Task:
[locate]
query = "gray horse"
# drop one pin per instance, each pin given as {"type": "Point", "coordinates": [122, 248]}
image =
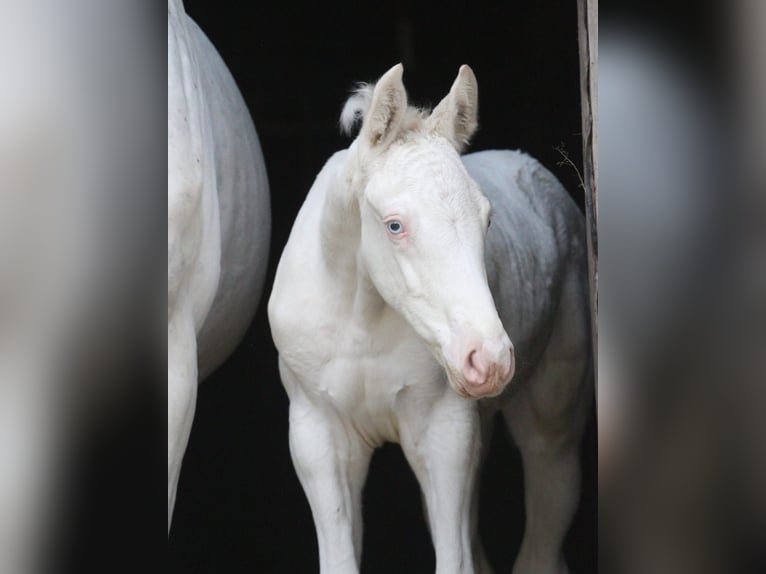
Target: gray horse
{"type": "Point", "coordinates": [219, 222]}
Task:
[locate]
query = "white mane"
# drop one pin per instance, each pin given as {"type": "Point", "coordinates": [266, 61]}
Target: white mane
{"type": "Point", "coordinates": [356, 106]}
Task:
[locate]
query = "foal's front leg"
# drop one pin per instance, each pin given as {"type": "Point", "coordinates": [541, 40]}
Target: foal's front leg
{"type": "Point", "coordinates": [331, 461]}
{"type": "Point", "coordinates": [443, 448]}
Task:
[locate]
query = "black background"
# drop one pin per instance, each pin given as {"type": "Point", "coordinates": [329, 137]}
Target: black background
{"type": "Point", "coordinates": [240, 507]}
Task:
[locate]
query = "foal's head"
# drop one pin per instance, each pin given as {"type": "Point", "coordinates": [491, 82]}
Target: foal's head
{"type": "Point", "coordinates": [424, 223]}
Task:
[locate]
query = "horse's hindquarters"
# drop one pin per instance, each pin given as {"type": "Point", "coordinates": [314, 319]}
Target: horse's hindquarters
{"type": "Point", "coordinates": [243, 197]}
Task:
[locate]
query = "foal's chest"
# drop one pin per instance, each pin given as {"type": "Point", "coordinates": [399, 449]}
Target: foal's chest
{"type": "Point", "coordinates": [366, 373]}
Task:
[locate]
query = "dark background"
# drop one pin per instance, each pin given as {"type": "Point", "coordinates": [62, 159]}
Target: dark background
{"type": "Point", "coordinates": [240, 507]}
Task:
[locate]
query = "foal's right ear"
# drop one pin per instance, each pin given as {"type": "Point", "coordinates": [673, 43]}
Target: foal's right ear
{"type": "Point", "coordinates": [386, 112]}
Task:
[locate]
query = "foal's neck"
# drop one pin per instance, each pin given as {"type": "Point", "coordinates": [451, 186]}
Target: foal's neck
{"type": "Point", "coordinates": [340, 239]}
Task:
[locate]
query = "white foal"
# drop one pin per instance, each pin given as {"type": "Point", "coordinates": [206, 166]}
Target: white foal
{"type": "Point", "coordinates": [387, 329]}
{"type": "Point", "coordinates": [218, 222]}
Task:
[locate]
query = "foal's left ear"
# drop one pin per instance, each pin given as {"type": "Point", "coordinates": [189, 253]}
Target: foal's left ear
{"type": "Point", "coordinates": [456, 116]}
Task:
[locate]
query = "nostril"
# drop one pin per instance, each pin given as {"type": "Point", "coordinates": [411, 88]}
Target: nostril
{"type": "Point", "coordinates": [471, 359]}
{"type": "Point", "coordinates": [473, 370]}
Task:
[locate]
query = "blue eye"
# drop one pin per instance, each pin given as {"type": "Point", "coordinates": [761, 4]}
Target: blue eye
{"type": "Point", "coordinates": [395, 227]}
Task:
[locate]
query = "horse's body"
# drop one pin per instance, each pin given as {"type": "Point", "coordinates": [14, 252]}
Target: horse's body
{"type": "Point", "coordinates": [359, 370]}
{"type": "Point", "coordinates": [218, 222]}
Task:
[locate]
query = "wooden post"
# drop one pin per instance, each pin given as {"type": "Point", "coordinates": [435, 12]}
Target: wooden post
{"type": "Point", "coordinates": [587, 12]}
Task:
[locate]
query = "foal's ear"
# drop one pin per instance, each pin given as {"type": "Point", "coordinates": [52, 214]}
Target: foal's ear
{"type": "Point", "coordinates": [456, 116]}
{"type": "Point", "coordinates": [386, 112]}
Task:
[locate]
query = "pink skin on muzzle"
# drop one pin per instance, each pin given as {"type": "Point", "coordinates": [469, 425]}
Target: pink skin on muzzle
{"type": "Point", "coordinates": [486, 366]}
